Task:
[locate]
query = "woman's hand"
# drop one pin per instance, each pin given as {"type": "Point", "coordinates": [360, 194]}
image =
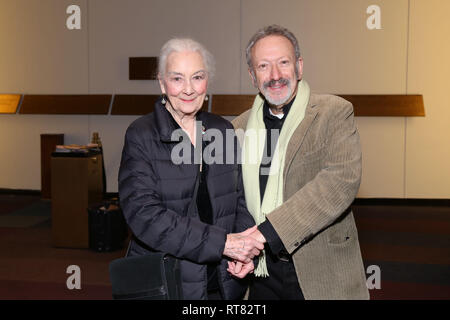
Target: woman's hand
{"type": "Point", "coordinates": [242, 246]}
{"type": "Point", "coordinates": [240, 270]}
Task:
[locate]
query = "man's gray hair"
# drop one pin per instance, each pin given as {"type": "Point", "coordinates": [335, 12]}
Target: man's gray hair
{"type": "Point", "coordinates": [185, 44]}
{"type": "Point", "coordinates": [272, 30]}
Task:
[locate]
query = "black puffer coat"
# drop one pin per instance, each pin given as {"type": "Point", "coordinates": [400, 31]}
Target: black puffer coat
{"type": "Point", "coordinates": [155, 195]}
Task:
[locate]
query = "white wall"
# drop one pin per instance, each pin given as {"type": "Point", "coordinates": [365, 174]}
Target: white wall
{"type": "Point", "coordinates": [38, 55]}
{"type": "Point", "coordinates": [120, 29]}
{"type": "Point", "coordinates": [428, 139]}
{"type": "Point", "coordinates": [342, 56]}
{"type": "Point", "coordinates": [402, 157]}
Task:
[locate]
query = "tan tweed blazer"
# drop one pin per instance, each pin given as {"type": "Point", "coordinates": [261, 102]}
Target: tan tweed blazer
{"type": "Point", "coordinates": [322, 175]}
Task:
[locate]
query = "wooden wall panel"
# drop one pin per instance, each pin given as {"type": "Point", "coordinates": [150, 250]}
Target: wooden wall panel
{"type": "Point", "coordinates": [66, 104]}
{"type": "Point", "coordinates": [133, 104]}
{"type": "Point", "coordinates": [387, 105]}
{"type": "Point", "coordinates": [137, 104]}
{"type": "Point", "coordinates": [222, 104]}
{"type": "Point", "coordinates": [142, 68]}
{"type": "Point", "coordinates": [231, 104]}
{"type": "Point", "coordinates": [364, 105]}
{"type": "Point", "coordinates": [9, 103]}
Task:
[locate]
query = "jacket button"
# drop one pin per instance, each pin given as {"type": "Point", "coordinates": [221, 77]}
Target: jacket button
{"type": "Point", "coordinates": [296, 244]}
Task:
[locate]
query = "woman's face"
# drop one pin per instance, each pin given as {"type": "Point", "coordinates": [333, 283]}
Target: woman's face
{"type": "Point", "coordinates": [185, 82]}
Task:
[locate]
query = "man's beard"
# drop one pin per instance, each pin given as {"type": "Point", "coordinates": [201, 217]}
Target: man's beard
{"type": "Point", "coordinates": [281, 100]}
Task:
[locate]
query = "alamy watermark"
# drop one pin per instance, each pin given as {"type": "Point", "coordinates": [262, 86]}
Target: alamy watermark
{"type": "Point", "coordinates": [225, 148]}
{"type": "Point", "coordinates": [74, 280]}
{"type": "Point", "coordinates": [374, 280]}
{"type": "Point", "coordinates": [73, 21]}
{"type": "Point", "coordinates": [373, 22]}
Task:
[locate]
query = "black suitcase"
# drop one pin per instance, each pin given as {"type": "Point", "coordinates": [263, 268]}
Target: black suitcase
{"type": "Point", "coordinates": [107, 227]}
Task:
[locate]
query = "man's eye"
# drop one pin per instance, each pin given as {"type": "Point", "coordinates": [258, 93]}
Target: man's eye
{"type": "Point", "coordinates": [176, 79]}
{"type": "Point", "coordinates": [201, 77]}
{"type": "Point", "coordinates": [285, 62]}
{"type": "Point", "coordinates": [262, 66]}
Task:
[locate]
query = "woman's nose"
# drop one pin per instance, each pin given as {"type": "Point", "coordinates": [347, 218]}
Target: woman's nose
{"type": "Point", "coordinates": [188, 88]}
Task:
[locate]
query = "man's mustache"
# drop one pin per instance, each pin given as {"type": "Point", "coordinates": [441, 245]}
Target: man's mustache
{"type": "Point", "coordinates": [271, 83]}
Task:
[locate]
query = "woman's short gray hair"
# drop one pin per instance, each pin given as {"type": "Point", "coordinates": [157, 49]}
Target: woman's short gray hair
{"type": "Point", "coordinates": [185, 44]}
{"type": "Point", "coordinates": [270, 31]}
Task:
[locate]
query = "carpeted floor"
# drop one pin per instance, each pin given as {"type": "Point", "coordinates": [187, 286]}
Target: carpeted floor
{"type": "Point", "coordinates": [31, 268]}
{"type": "Point", "coordinates": [23, 211]}
{"type": "Point", "coordinates": [409, 244]}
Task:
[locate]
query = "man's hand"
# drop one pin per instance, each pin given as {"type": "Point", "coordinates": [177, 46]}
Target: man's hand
{"type": "Point", "coordinates": [240, 270]}
{"type": "Point", "coordinates": [242, 246]}
{"type": "Point", "coordinates": [258, 236]}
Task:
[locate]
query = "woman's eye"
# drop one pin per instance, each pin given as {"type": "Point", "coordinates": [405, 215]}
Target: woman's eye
{"type": "Point", "coordinates": [200, 77]}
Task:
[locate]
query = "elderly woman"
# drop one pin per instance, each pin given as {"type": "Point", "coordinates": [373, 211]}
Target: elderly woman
{"type": "Point", "coordinates": [192, 210]}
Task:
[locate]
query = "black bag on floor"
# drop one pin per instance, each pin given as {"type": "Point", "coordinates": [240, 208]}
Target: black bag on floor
{"type": "Point", "coordinates": [154, 276]}
{"type": "Point", "coordinates": [107, 227]}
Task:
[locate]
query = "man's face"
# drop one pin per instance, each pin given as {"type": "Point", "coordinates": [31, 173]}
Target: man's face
{"type": "Point", "coordinates": [274, 66]}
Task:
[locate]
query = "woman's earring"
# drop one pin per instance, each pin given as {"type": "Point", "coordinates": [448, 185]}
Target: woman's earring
{"type": "Point", "coordinates": [163, 101]}
{"type": "Point", "coordinates": [206, 98]}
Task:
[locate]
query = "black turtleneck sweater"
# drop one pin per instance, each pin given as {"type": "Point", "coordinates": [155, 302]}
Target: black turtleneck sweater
{"type": "Point", "coordinates": [205, 212]}
{"type": "Point", "coordinates": [272, 123]}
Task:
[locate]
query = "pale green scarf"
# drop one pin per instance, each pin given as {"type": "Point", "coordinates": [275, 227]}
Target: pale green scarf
{"type": "Point", "coordinates": [252, 152]}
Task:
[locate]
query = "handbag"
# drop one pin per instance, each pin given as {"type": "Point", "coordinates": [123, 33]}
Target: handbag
{"type": "Point", "coordinates": [153, 276]}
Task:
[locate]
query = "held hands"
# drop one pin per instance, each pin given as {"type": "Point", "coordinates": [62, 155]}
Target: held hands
{"type": "Point", "coordinates": [239, 269]}
{"type": "Point", "coordinates": [242, 246]}
{"type": "Point", "coordinates": [252, 242]}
